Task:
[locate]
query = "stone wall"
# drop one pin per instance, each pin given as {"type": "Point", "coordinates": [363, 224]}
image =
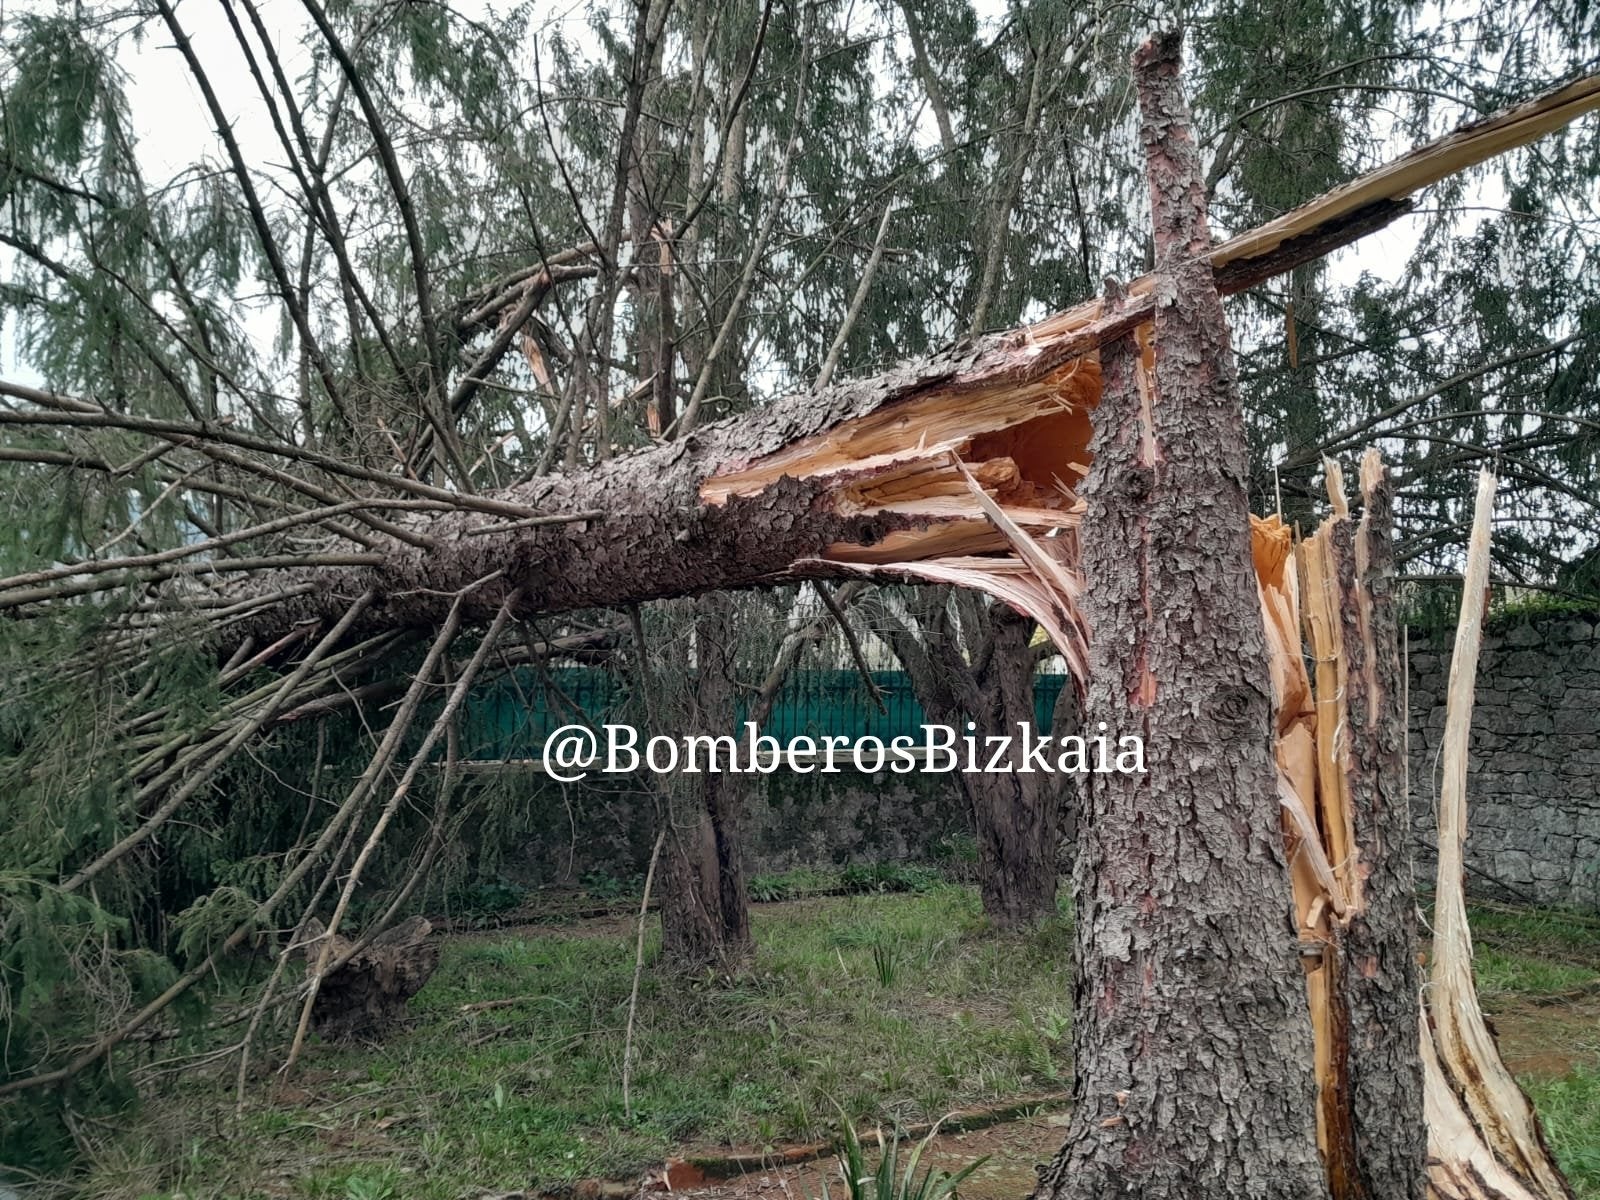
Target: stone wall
{"type": "Point", "coordinates": [1533, 790]}
{"type": "Point", "coordinates": [791, 821]}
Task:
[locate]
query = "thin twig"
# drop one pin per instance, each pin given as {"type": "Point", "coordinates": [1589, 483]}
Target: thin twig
{"type": "Point", "coordinates": [638, 970]}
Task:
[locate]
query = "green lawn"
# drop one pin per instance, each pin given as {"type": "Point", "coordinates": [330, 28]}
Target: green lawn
{"type": "Point", "coordinates": [888, 1006]}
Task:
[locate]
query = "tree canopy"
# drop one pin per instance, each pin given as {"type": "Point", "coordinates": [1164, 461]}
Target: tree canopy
{"type": "Point", "coordinates": [274, 281]}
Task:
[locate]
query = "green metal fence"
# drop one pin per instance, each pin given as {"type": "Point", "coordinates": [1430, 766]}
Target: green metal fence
{"type": "Point", "coordinates": [510, 717]}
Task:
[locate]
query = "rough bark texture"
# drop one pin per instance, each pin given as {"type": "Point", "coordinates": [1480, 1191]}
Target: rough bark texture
{"type": "Point", "coordinates": [1194, 1072]}
{"type": "Point", "coordinates": [1016, 817]}
{"type": "Point", "coordinates": [705, 910]}
{"type": "Point", "coordinates": [369, 993]}
{"type": "Point", "coordinates": [657, 536]}
{"type": "Point", "coordinates": [1377, 982]}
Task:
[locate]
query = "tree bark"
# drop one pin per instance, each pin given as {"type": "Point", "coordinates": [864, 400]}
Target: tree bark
{"type": "Point", "coordinates": [365, 996]}
{"type": "Point", "coordinates": [705, 908]}
{"type": "Point", "coordinates": [1377, 985]}
{"type": "Point", "coordinates": [1017, 815]}
{"type": "Point", "coordinates": [1194, 1073]}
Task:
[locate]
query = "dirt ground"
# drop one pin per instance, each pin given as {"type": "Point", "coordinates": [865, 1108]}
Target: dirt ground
{"type": "Point", "coordinates": [1550, 1036]}
{"type": "Point", "coordinates": [1013, 1149]}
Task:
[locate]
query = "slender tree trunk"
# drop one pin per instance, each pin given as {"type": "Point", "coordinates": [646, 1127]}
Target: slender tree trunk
{"type": "Point", "coordinates": [705, 910]}
{"type": "Point", "coordinates": [1194, 1070]}
{"type": "Point", "coordinates": [1016, 815]}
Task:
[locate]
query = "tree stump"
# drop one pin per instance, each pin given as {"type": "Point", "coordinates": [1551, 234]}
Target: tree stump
{"type": "Point", "coordinates": [367, 994]}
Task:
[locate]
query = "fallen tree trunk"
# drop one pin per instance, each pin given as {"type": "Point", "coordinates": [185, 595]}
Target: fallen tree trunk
{"type": "Point", "coordinates": [860, 474]}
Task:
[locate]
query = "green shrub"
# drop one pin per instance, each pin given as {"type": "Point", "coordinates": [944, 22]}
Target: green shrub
{"type": "Point", "coordinates": [888, 877]}
{"type": "Point", "coordinates": [889, 1182]}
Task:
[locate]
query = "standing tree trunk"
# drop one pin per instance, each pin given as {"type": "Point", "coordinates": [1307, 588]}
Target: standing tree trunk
{"type": "Point", "coordinates": [985, 674]}
{"type": "Point", "coordinates": [1017, 815]}
{"type": "Point", "coordinates": [705, 912]}
{"type": "Point", "coordinates": [1194, 1070]}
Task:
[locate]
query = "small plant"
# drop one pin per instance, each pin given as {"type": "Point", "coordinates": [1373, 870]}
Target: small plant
{"type": "Point", "coordinates": [370, 1187]}
{"type": "Point", "coordinates": [889, 1182]}
{"type": "Point", "coordinates": [764, 889]}
{"type": "Point", "coordinates": [792, 884]}
{"type": "Point", "coordinates": [888, 877]}
{"type": "Point", "coordinates": [957, 855]}
{"type": "Point", "coordinates": [766, 1132]}
{"type": "Point", "coordinates": [885, 963]}
{"type": "Point", "coordinates": [1055, 1024]}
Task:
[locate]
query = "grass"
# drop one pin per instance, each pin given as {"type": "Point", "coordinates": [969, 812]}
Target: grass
{"type": "Point", "coordinates": [879, 1006]}
{"type": "Point", "coordinates": [1526, 961]}
{"type": "Point", "coordinates": [1532, 952]}
{"type": "Point", "coordinates": [1570, 1110]}
{"type": "Point", "coordinates": [882, 1006]}
{"type": "Point", "coordinates": [1559, 934]}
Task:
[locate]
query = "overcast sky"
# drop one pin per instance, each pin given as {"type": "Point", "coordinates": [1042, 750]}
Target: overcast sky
{"type": "Point", "coordinates": [174, 129]}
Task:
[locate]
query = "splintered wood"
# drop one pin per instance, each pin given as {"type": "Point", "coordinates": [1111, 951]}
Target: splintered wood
{"type": "Point", "coordinates": [989, 474]}
{"type": "Point", "coordinates": [1483, 1137]}
{"type": "Point", "coordinates": [993, 471]}
{"type": "Point", "coordinates": [1479, 1120]}
{"type": "Point", "coordinates": [1010, 432]}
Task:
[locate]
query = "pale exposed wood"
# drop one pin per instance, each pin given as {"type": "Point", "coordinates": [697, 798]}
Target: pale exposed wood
{"type": "Point", "coordinates": [1461, 1166]}
{"type": "Point", "coordinates": [1492, 1106]}
{"type": "Point", "coordinates": [1334, 478]}
{"type": "Point", "coordinates": [1428, 164]}
{"type": "Point", "coordinates": [1483, 1138]}
{"type": "Point", "coordinates": [1320, 605]}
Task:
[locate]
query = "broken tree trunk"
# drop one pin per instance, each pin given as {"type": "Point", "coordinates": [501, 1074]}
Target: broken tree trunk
{"type": "Point", "coordinates": [858, 475]}
{"type": "Point", "coordinates": [368, 992]}
{"type": "Point", "coordinates": [1342, 781]}
{"type": "Point", "coordinates": [1185, 1088]}
{"type": "Point", "coordinates": [960, 468]}
{"type": "Point", "coordinates": [1346, 823]}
